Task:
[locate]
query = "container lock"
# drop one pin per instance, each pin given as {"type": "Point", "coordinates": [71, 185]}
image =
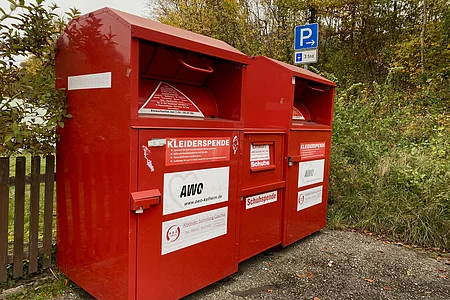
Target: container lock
{"type": "Point", "coordinates": [144, 199]}
{"type": "Point", "coordinates": [293, 159]}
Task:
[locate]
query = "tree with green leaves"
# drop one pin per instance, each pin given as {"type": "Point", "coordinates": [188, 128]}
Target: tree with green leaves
{"type": "Point", "coordinates": [360, 40]}
{"type": "Point", "coordinates": [30, 107]}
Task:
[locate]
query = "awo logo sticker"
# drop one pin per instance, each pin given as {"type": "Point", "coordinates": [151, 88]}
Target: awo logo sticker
{"type": "Point", "coordinates": [191, 189]}
{"type": "Point", "coordinates": [196, 188]}
{"type": "Point", "coordinates": [310, 172]}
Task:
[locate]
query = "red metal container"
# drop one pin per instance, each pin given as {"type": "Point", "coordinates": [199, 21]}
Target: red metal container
{"type": "Point", "coordinates": [262, 191]}
{"type": "Point", "coordinates": [298, 104]}
{"type": "Point", "coordinates": [148, 167]}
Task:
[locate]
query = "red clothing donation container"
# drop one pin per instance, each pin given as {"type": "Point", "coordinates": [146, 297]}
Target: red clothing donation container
{"type": "Point", "coordinates": [147, 185]}
{"type": "Point", "coordinates": [298, 103]}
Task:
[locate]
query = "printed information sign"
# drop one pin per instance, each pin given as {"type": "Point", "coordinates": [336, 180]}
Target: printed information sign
{"type": "Point", "coordinates": [184, 232]}
{"type": "Point", "coordinates": [261, 199]}
{"type": "Point", "coordinates": [310, 172]}
{"type": "Point", "coordinates": [312, 150]}
{"type": "Point", "coordinates": [168, 100]}
{"type": "Point", "coordinates": [259, 155]}
{"type": "Point", "coordinates": [183, 151]}
{"type": "Point", "coordinates": [195, 188]}
{"type": "Point", "coordinates": [310, 197]}
{"type": "Point", "coordinates": [297, 115]}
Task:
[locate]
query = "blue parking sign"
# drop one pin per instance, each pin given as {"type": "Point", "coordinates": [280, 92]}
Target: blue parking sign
{"type": "Point", "coordinates": [306, 36]}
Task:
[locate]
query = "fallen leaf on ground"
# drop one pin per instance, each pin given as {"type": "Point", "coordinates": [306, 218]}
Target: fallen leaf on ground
{"type": "Point", "coordinates": [316, 298]}
{"type": "Point", "coordinates": [299, 275]}
{"type": "Point", "coordinates": [441, 271]}
{"type": "Point", "coordinates": [386, 288]}
{"type": "Point", "coordinates": [269, 264]}
{"type": "Point", "coordinates": [369, 280]}
{"type": "Point", "coordinates": [443, 276]}
{"type": "Point", "coordinates": [309, 275]}
{"type": "Point", "coordinates": [438, 258]}
{"type": "Point", "coordinates": [269, 291]}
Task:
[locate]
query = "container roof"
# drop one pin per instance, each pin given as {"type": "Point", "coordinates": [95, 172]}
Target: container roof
{"type": "Point", "coordinates": [157, 32]}
{"type": "Point", "coordinates": [299, 72]}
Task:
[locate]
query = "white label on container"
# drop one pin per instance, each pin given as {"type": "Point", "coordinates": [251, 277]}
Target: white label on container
{"type": "Point", "coordinates": [184, 232]}
{"type": "Point", "coordinates": [89, 81]}
{"type": "Point", "coordinates": [310, 172]}
{"type": "Point", "coordinates": [196, 188]}
{"type": "Point", "coordinates": [261, 199]}
{"type": "Point", "coordinates": [168, 100]}
{"type": "Point", "coordinates": [310, 197]}
{"type": "Point", "coordinates": [297, 115]}
{"type": "Point", "coordinates": [259, 155]}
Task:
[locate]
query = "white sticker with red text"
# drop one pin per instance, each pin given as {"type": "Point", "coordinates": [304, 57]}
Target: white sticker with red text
{"type": "Point", "coordinates": [168, 100]}
{"type": "Point", "coordinates": [187, 231]}
{"type": "Point", "coordinates": [310, 172]}
{"type": "Point", "coordinates": [312, 150]}
{"type": "Point", "coordinates": [310, 197]}
{"type": "Point", "coordinates": [261, 199]}
{"type": "Point", "coordinates": [182, 151]}
{"type": "Point", "coordinates": [259, 155]}
{"type": "Point", "coordinates": [195, 188]}
{"type": "Point", "coordinates": [297, 115]}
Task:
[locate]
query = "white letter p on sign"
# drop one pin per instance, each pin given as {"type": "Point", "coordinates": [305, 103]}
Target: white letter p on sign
{"type": "Point", "coordinates": [305, 33]}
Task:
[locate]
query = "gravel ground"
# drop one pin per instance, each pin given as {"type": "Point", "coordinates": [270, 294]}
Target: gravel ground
{"type": "Point", "coordinates": [332, 265]}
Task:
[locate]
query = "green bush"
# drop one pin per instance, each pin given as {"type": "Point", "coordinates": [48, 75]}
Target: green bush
{"type": "Point", "coordinates": [390, 169]}
{"type": "Point", "coordinates": [30, 107]}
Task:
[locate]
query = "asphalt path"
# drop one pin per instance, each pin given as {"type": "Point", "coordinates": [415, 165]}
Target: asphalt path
{"type": "Point", "coordinates": [338, 265]}
{"type": "Point", "coordinates": [332, 265]}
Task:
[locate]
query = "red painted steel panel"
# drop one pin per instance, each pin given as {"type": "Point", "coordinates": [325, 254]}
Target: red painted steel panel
{"type": "Point", "coordinates": [261, 208]}
{"type": "Point", "coordinates": [299, 222]}
{"type": "Point", "coordinates": [150, 30]}
{"type": "Point", "coordinates": [93, 159]}
{"type": "Point", "coordinates": [102, 245]}
{"type": "Point", "coordinates": [298, 72]}
{"type": "Point", "coordinates": [273, 88]}
{"type": "Point", "coordinates": [180, 272]}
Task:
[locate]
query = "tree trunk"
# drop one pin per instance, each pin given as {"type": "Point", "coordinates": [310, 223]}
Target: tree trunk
{"type": "Point", "coordinates": [422, 36]}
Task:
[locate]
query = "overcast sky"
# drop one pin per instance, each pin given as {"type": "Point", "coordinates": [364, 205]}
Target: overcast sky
{"type": "Point", "coordinates": [136, 7]}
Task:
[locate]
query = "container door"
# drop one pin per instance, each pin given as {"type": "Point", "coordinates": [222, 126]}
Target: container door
{"type": "Point", "coordinates": [186, 239]}
{"type": "Point", "coordinates": [262, 193]}
{"type": "Point", "coordinates": [306, 184]}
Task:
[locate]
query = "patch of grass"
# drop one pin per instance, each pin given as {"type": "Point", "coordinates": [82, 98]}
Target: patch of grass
{"type": "Point", "coordinates": [390, 166]}
{"type": "Point", "coordinates": [48, 285]}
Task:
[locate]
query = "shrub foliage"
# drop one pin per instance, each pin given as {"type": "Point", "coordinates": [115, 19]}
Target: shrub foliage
{"type": "Point", "coordinates": [390, 155]}
{"type": "Point", "coordinates": [31, 108]}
